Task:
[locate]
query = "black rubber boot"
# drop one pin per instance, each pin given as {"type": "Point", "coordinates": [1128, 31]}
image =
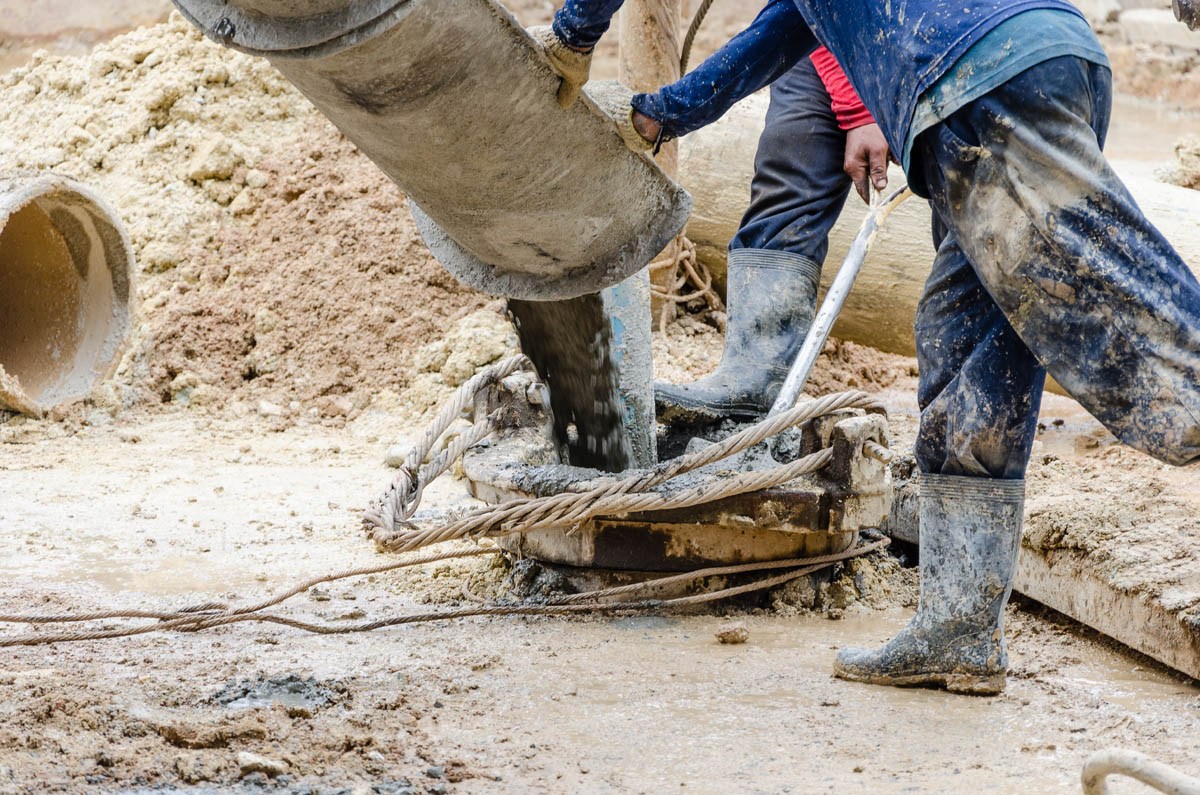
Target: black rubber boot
{"type": "Point", "coordinates": [772, 298]}
{"type": "Point", "coordinates": [970, 537]}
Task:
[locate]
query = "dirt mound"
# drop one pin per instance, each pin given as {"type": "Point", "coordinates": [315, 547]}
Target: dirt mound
{"type": "Point", "coordinates": [874, 582]}
{"type": "Point", "coordinates": [321, 296]}
{"type": "Point", "coordinates": [1187, 152]}
{"type": "Point", "coordinates": [276, 262]}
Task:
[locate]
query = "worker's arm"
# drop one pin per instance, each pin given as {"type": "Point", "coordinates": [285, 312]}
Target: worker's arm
{"type": "Point", "coordinates": [866, 157]}
{"type": "Point", "coordinates": [580, 23]}
{"type": "Point", "coordinates": [848, 109]}
{"type": "Point", "coordinates": [776, 40]}
{"type": "Point", "coordinates": [569, 41]}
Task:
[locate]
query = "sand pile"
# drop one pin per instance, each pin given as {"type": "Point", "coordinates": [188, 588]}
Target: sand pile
{"type": "Point", "coordinates": [165, 125]}
{"type": "Point", "coordinates": [276, 262]}
{"type": "Point", "coordinates": [1187, 152]}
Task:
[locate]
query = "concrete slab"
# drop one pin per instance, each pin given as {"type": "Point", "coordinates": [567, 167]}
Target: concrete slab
{"type": "Point", "coordinates": [1160, 627]}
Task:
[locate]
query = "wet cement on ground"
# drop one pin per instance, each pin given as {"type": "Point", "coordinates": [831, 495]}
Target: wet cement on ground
{"type": "Point", "coordinates": [213, 509]}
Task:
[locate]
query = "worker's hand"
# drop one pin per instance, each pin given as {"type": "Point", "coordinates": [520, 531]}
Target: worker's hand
{"type": "Point", "coordinates": [572, 65]}
{"type": "Point", "coordinates": [866, 160]}
{"type": "Point", "coordinates": [1187, 12]}
{"type": "Point", "coordinates": [615, 100]}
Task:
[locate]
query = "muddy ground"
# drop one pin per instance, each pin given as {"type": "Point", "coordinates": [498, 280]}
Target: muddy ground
{"type": "Point", "coordinates": [247, 431]}
{"type": "Point", "coordinates": [174, 509]}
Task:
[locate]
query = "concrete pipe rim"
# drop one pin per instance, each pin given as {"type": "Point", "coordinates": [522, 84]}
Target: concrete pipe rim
{"type": "Point", "coordinates": [528, 286]}
{"type": "Point", "coordinates": [67, 267]}
{"type": "Point", "coordinates": [278, 28]}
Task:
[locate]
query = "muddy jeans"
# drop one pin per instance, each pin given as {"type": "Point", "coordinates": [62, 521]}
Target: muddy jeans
{"type": "Point", "coordinates": [799, 186]}
{"type": "Point", "coordinates": [1047, 262]}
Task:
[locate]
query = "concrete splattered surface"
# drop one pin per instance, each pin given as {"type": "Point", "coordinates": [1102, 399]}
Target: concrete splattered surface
{"type": "Point", "coordinates": [225, 509]}
{"type": "Point", "coordinates": [203, 484]}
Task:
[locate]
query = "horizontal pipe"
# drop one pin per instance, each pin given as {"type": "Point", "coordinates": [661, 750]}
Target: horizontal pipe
{"type": "Point", "coordinates": [67, 269]}
{"type": "Point", "coordinates": [717, 163]}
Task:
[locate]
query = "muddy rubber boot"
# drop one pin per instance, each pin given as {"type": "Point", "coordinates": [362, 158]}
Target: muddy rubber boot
{"type": "Point", "coordinates": [772, 298]}
{"type": "Point", "coordinates": [970, 536]}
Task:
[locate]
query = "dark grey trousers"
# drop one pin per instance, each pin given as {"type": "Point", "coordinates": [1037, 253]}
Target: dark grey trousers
{"type": "Point", "coordinates": [799, 187]}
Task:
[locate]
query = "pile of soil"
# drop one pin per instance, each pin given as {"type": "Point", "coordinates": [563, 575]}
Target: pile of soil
{"type": "Point", "coordinates": [276, 262]}
{"type": "Point", "coordinates": [321, 296]}
{"type": "Point", "coordinates": [875, 582]}
{"type": "Point", "coordinates": [1161, 73]}
{"type": "Point", "coordinates": [1187, 152]}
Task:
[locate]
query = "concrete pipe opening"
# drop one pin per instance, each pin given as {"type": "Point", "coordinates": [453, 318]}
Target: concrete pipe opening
{"type": "Point", "coordinates": [66, 273]}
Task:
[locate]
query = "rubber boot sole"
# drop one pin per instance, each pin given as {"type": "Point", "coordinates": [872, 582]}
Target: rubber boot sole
{"type": "Point", "coordinates": [699, 412]}
{"type": "Point", "coordinates": [963, 683]}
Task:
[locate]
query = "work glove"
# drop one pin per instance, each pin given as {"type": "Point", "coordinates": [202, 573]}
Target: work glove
{"type": "Point", "coordinates": [571, 65]}
{"type": "Point", "coordinates": [616, 101]}
{"type": "Point", "coordinates": [1187, 12]}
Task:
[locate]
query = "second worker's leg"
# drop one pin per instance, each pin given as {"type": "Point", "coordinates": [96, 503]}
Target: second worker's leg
{"type": "Point", "coordinates": [775, 259]}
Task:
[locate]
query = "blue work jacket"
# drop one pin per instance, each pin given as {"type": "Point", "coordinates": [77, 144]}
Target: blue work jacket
{"type": "Point", "coordinates": [892, 51]}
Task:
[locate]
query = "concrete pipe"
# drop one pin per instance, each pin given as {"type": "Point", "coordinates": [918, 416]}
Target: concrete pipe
{"type": "Point", "coordinates": [66, 277]}
{"type": "Point", "coordinates": [717, 162]}
{"type": "Point", "coordinates": [452, 99]}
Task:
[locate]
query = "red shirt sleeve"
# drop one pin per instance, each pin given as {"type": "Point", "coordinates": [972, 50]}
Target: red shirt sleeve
{"type": "Point", "coordinates": [847, 107]}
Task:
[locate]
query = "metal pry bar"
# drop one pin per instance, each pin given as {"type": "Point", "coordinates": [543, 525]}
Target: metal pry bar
{"type": "Point", "coordinates": [835, 300]}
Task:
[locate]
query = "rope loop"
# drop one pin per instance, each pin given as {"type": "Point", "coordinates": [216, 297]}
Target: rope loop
{"type": "Point", "coordinates": [389, 523]}
{"type": "Point", "coordinates": [679, 259]}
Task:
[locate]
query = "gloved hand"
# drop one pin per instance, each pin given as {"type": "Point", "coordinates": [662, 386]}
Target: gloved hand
{"type": "Point", "coordinates": [571, 65]}
{"type": "Point", "coordinates": [1187, 12]}
{"type": "Point", "coordinates": [615, 100]}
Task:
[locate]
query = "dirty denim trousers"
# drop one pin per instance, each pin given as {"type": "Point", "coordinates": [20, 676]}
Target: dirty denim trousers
{"type": "Point", "coordinates": [1047, 262]}
{"type": "Point", "coordinates": [799, 186]}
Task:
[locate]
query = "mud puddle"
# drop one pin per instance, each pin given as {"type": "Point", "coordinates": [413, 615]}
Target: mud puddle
{"type": "Point", "coordinates": [169, 575]}
{"type": "Point", "coordinates": [295, 694]}
{"type": "Point", "coordinates": [656, 707]}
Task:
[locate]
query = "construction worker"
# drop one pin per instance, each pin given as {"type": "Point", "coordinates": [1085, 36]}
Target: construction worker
{"type": "Point", "coordinates": [818, 140]}
{"type": "Point", "coordinates": [998, 111]}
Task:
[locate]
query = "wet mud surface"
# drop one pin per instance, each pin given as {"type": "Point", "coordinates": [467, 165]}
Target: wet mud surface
{"type": "Point", "coordinates": [129, 505]}
{"type": "Point", "coordinates": [207, 509]}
